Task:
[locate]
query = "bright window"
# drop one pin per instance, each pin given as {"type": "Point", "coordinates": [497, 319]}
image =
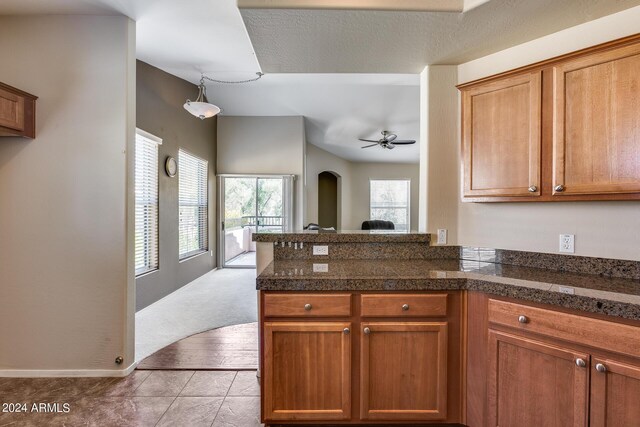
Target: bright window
{"type": "Point", "coordinates": [193, 205]}
{"type": "Point", "coordinates": [389, 200]}
{"type": "Point", "coordinates": [146, 188]}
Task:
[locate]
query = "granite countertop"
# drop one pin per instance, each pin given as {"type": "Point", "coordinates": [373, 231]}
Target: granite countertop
{"type": "Point", "coordinates": [345, 236]}
{"type": "Point", "coordinates": [612, 296]}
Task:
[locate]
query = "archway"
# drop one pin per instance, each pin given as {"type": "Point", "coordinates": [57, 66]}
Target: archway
{"type": "Point", "coordinates": [328, 199]}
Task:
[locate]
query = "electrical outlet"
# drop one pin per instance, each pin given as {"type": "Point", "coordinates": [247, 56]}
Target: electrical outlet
{"type": "Point", "coordinates": [566, 290]}
{"type": "Point", "coordinates": [567, 243]}
{"type": "Point", "coordinates": [442, 236]}
{"type": "Point", "coordinates": [320, 250]}
{"type": "Point", "coordinates": [320, 268]}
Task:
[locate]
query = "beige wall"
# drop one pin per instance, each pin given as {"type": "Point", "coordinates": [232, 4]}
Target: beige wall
{"type": "Point", "coordinates": [160, 98]}
{"type": "Point", "coordinates": [66, 279]}
{"type": "Point", "coordinates": [264, 145]}
{"type": "Point", "coordinates": [355, 185]}
{"type": "Point", "coordinates": [603, 229]}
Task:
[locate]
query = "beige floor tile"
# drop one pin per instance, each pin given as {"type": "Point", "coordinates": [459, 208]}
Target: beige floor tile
{"type": "Point", "coordinates": [239, 412]}
{"type": "Point", "coordinates": [164, 383]}
{"type": "Point", "coordinates": [245, 384]}
{"type": "Point", "coordinates": [209, 383]}
{"type": "Point", "coordinates": [191, 412]}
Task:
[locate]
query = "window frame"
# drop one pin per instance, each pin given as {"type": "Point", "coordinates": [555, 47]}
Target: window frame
{"type": "Point", "coordinates": [202, 233]}
{"type": "Point", "coordinates": [149, 266]}
{"type": "Point", "coordinates": [408, 205]}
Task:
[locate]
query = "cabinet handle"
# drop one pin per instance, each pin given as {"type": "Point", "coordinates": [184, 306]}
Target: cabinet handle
{"type": "Point", "coordinates": [581, 363]}
{"type": "Point", "coordinates": [346, 331]}
{"type": "Point", "coordinates": [523, 319]}
{"type": "Point", "coordinates": [367, 331]}
{"type": "Point", "coordinates": [307, 307]}
{"type": "Point", "coordinates": [601, 368]}
{"type": "Point", "coordinates": [533, 189]}
{"type": "Point", "coordinates": [559, 188]}
{"type": "Point", "coordinates": [405, 307]}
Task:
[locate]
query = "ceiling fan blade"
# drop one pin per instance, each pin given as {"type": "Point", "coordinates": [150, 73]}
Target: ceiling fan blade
{"type": "Point", "coordinates": [403, 142]}
{"type": "Point", "coordinates": [390, 137]}
{"type": "Point", "coordinates": [367, 140]}
{"type": "Point", "coordinates": [372, 145]}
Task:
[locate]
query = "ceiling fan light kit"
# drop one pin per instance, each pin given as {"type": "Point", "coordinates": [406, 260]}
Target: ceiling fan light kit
{"type": "Point", "coordinates": [388, 141]}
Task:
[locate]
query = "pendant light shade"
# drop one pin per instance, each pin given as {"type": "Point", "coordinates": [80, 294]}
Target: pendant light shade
{"type": "Point", "coordinates": [200, 107]}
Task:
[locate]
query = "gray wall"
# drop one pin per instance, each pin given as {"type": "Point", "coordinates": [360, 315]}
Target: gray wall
{"type": "Point", "coordinates": [66, 277]}
{"type": "Point", "coordinates": [160, 99]}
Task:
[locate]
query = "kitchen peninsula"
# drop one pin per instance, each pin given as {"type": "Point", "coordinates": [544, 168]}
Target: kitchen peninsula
{"type": "Point", "coordinates": [387, 329]}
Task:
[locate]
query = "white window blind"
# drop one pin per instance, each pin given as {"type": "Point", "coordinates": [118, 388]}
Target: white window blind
{"type": "Point", "coordinates": [193, 205]}
{"type": "Point", "coordinates": [146, 188]}
{"type": "Point", "coordinates": [390, 201]}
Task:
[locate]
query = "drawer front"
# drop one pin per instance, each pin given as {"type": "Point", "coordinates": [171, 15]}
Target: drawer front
{"type": "Point", "coordinates": [307, 305]}
{"type": "Point", "coordinates": [616, 337]}
{"type": "Point", "coordinates": [404, 305]}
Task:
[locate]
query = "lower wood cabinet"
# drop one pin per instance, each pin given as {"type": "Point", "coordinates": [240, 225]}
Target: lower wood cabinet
{"type": "Point", "coordinates": [403, 371]}
{"type": "Point", "coordinates": [615, 393]}
{"type": "Point", "coordinates": [535, 384]}
{"type": "Point", "coordinates": [307, 367]}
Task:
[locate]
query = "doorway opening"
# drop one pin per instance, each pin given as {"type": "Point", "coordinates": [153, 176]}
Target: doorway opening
{"type": "Point", "coordinates": [329, 200]}
{"type": "Point", "coordinates": [248, 205]}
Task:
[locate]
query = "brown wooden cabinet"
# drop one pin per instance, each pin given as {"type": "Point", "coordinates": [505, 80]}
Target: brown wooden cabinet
{"type": "Point", "coordinates": [565, 129]}
{"type": "Point", "coordinates": [501, 137]}
{"type": "Point", "coordinates": [307, 366]}
{"type": "Point", "coordinates": [615, 393]}
{"type": "Point", "coordinates": [403, 371]}
{"type": "Point", "coordinates": [536, 384]}
{"type": "Point", "coordinates": [596, 146]}
{"type": "Point", "coordinates": [17, 112]}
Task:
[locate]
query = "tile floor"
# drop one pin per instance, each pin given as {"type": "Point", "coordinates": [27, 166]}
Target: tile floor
{"type": "Point", "coordinates": [144, 398]}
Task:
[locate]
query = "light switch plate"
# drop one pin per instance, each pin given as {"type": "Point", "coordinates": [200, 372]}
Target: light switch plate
{"type": "Point", "coordinates": [320, 250]}
{"type": "Point", "coordinates": [567, 243]}
{"type": "Point", "coordinates": [442, 236]}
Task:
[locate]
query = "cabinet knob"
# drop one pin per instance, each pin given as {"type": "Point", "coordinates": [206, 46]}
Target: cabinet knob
{"type": "Point", "coordinates": [559, 188]}
{"type": "Point", "coordinates": [405, 307]}
{"type": "Point", "coordinates": [601, 368]}
{"type": "Point", "coordinates": [581, 363]}
{"type": "Point", "coordinates": [523, 319]}
{"type": "Point", "coordinates": [307, 307]}
{"type": "Point", "coordinates": [367, 331]}
{"type": "Point", "coordinates": [533, 189]}
{"type": "Point", "coordinates": [346, 331]}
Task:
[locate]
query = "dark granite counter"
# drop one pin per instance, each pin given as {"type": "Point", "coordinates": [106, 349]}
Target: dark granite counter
{"type": "Point", "coordinates": [593, 293]}
{"type": "Point", "coordinates": [345, 236]}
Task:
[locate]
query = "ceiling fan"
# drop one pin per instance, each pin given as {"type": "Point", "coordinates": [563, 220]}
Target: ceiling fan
{"type": "Point", "coordinates": [387, 141]}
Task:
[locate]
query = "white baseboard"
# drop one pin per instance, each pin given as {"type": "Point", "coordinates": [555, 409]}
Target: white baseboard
{"type": "Point", "coordinates": [50, 373]}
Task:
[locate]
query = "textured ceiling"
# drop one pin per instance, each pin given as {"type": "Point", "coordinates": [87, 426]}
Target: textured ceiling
{"type": "Point", "coordinates": [330, 41]}
{"type": "Point", "coordinates": [338, 109]}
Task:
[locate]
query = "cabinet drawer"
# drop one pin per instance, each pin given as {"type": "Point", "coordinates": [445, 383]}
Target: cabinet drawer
{"type": "Point", "coordinates": [616, 337]}
{"type": "Point", "coordinates": [307, 305]}
{"type": "Point", "coordinates": [407, 305]}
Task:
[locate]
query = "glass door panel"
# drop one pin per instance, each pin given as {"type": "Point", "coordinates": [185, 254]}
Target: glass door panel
{"type": "Point", "coordinates": [269, 218]}
{"type": "Point", "coordinates": [239, 221]}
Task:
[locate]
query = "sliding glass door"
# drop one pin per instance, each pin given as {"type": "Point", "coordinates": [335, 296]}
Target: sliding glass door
{"type": "Point", "coordinates": [250, 204]}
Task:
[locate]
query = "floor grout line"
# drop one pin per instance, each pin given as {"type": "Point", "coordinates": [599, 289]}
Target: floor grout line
{"type": "Point", "coordinates": [224, 398]}
{"type": "Point", "coordinates": [174, 399]}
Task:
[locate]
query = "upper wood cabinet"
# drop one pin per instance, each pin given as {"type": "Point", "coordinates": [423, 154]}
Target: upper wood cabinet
{"type": "Point", "coordinates": [565, 129]}
{"type": "Point", "coordinates": [17, 112]}
{"type": "Point", "coordinates": [596, 146]}
{"type": "Point", "coordinates": [501, 137]}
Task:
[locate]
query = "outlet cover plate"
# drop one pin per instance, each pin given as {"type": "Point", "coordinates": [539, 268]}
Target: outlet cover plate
{"type": "Point", "coordinates": [567, 243]}
{"type": "Point", "coordinates": [320, 250]}
{"type": "Point", "coordinates": [442, 236]}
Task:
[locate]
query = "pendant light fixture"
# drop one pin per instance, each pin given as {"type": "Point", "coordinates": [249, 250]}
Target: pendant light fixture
{"type": "Point", "coordinates": [203, 109]}
{"type": "Point", "coordinates": [200, 107]}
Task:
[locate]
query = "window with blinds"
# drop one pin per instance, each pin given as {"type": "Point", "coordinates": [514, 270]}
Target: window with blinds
{"type": "Point", "coordinates": [390, 201]}
{"type": "Point", "coordinates": [146, 189]}
{"type": "Point", "coordinates": [193, 205]}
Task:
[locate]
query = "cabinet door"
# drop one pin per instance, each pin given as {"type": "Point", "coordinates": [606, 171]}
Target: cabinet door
{"type": "Point", "coordinates": [11, 110]}
{"type": "Point", "coordinates": [615, 394]}
{"type": "Point", "coordinates": [535, 384]}
{"type": "Point", "coordinates": [307, 371]}
{"type": "Point", "coordinates": [596, 147]}
{"type": "Point", "coordinates": [501, 137]}
{"type": "Point", "coordinates": [403, 371]}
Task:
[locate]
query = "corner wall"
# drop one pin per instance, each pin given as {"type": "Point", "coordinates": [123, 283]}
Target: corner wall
{"type": "Point", "coordinates": [160, 99]}
{"type": "Point", "coordinates": [66, 277]}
